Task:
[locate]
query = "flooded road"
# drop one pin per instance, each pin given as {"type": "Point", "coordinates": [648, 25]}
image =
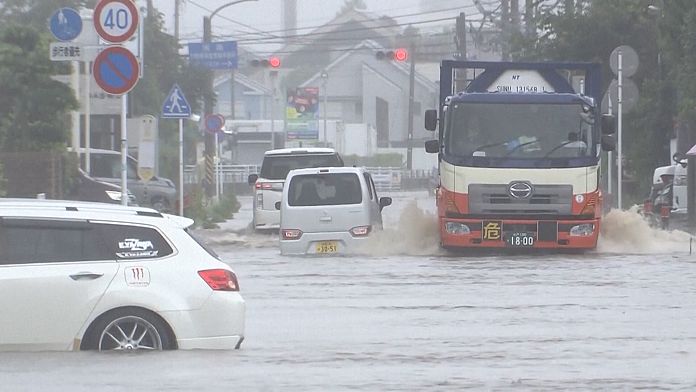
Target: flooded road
{"type": "Point", "coordinates": [409, 317]}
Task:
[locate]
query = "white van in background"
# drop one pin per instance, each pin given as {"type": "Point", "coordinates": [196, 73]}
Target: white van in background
{"type": "Point", "coordinates": [268, 185]}
{"type": "Point", "coordinates": [328, 210]}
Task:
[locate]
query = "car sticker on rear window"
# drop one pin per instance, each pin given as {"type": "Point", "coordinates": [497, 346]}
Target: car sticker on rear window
{"type": "Point", "coordinates": [134, 248]}
{"type": "Point", "coordinates": [137, 276]}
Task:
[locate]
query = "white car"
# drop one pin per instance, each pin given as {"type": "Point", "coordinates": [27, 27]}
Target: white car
{"type": "Point", "coordinates": [328, 210]}
{"type": "Point", "coordinates": [95, 276]}
{"type": "Point", "coordinates": [268, 185]}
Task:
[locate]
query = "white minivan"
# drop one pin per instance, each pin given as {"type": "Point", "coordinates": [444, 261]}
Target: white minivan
{"type": "Point", "coordinates": [328, 210]}
{"type": "Point", "coordinates": [268, 184]}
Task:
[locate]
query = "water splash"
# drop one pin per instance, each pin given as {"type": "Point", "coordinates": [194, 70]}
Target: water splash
{"type": "Point", "coordinates": [626, 231]}
{"type": "Point", "coordinates": [416, 234]}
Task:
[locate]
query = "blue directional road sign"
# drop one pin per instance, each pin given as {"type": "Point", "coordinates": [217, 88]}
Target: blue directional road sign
{"type": "Point", "coordinates": [176, 105]}
{"type": "Point", "coordinates": [65, 24]}
{"type": "Point", "coordinates": [214, 55]}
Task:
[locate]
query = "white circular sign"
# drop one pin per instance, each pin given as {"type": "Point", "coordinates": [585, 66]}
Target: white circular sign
{"type": "Point", "coordinates": [116, 20]}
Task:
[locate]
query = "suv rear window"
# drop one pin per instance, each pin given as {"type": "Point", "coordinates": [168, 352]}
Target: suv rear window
{"type": "Point", "coordinates": [325, 189]}
{"type": "Point", "coordinates": [276, 167]}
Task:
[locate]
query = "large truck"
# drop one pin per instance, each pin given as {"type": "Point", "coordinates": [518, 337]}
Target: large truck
{"type": "Point", "coordinates": [519, 148]}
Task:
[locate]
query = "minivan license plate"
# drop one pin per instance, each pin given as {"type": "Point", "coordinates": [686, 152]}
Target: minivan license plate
{"type": "Point", "coordinates": [327, 247]}
{"type": "Point", "coordinates": [520, 240]}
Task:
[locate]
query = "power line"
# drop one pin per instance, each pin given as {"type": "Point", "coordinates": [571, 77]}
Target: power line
{"type": "Point", "coordinates": [232, 20]}
{"type": "Point", "coordinates": [392, 17]}
{"type": "Point", "coordinates": [300, 36]}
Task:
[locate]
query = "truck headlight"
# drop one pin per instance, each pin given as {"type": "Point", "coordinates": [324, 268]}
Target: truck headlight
{"type": "Point", "coordinates": [456, 228]}
{"type": "Point", "coordinates": [582, 230]}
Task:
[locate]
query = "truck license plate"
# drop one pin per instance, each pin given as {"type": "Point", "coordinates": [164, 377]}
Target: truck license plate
{"type": "Point", "coordinates": [327, 247]}
{"type": "Point", "coordinates": [520, 240]}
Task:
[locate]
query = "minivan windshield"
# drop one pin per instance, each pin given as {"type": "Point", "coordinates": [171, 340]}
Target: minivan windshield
{"type": "Point", "coordinates": [277, 167]}
{"type": "Point", "coordinates": [325, 189]}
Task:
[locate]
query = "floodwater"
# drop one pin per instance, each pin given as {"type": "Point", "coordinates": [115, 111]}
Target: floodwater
{"type": "Point", "coordinates": [409, 317]}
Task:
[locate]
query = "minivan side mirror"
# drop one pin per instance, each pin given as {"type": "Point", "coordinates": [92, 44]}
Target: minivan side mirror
{"type": "Point", "coordinates": [608, 124]}
{"type": "Point", "coordinates": [384, 202]}
{"type": "Point", "coordinates": [608, 143]}
{"type": "Point", "coordinates": [277, 205]}
{"type": "Point", "coordinates": [252, 179]}
{"type": "Point", "coordinates": [431, 119]}
{"type": "Point", "coordinates": [432, 146]}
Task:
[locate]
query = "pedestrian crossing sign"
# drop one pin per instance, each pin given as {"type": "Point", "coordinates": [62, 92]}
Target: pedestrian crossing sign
{"type": "Point", "coordinates": [176, 105]}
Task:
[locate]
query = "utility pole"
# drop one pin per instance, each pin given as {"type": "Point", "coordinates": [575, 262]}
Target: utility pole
{"type": "Point", "coordinates": [505, 28]}
{"type": "Point", "coordinates": [460, 37]}
{"type": "Point", "coordinates": [209, 181]}
{"type": "Point", "coordinates": [177, 6]}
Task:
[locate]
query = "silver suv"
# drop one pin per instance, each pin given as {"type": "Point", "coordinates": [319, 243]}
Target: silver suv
{"type": "Point", "coordinates": [268, 185]}
{"type": "Point", "coordinates": [158, 193]}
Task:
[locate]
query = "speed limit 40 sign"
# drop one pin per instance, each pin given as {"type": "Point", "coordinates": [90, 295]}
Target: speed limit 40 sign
{"type": "Point", "coordinates": [116, 20]}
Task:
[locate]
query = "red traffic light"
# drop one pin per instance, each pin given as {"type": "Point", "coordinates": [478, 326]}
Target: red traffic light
{"type": "Point", "coordinates": [400, 54]}
{"type": "Point", "coordinates": [273, 62]}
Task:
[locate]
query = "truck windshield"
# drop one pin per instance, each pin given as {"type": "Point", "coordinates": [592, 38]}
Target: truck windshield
{"type": "Point", "coordinates": [526, 131]}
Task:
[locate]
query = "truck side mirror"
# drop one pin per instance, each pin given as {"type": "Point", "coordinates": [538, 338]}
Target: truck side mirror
{"type": "Point", "coordinates": [431, 119]}
{"type": "Point", "coordinates": [252, 179]}
{"type": "Point", "coordinates": [432, 146]}
{"type": "Point", "coordinates": [608, 143]}
{"type": "Point", "coordinates": [608, 124]}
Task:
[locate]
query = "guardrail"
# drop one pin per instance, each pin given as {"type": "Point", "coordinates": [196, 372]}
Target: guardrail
{"type": "Point", "coordinates": [385, 178]}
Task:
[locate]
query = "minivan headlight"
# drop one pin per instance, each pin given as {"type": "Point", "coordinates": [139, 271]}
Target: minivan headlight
{"type": "Point", "coordinates": [582, 230]}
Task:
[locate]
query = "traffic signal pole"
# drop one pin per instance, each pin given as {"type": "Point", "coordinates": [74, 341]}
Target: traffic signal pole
{"type": "Point", "coordinates": [411, 88]}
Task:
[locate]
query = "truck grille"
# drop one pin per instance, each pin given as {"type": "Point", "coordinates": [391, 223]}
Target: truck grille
{"type": "Point", "coordinates": [544, 199]}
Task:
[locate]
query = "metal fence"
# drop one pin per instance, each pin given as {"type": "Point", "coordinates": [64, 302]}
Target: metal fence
{"type": "Point", "coordinates": [385, 178]}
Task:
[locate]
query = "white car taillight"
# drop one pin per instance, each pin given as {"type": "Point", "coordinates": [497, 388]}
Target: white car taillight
{"type": "Point", "coordinates": [259, 201]}
{"type": "Point", "coordinates": [291, 234]}
{"type": "Point", "coordinates": [360, 231]}
{"type": "Point", "coordinates": [220, 279]}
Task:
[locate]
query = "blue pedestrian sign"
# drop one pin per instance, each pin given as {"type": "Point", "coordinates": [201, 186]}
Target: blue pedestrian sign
{"type": "Point", "coordinates": [65, 24]}
{"type": "Point", "coordinates": [214, 55]}
{"type": "Point", "coordinates": [176, 105]}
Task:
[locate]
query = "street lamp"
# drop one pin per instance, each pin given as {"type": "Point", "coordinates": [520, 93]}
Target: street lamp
{"type": "Point", "coordinates": [208, 99]}
{"type": "Point", "coordinates": [324, 81]}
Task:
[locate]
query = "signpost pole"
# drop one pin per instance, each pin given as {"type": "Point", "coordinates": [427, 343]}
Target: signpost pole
{"type": "Point", "coordinates": [181, 167]}
{"type": "Point", "coordinates": [124, 150]}
{"type": "Point", "coordinates": [619, 172]}
{"type": "Point", "coordinates": [88, 114]}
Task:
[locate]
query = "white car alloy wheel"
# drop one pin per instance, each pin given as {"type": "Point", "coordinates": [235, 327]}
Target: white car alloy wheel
{"type": "Point", "coordinates": [130, 333]}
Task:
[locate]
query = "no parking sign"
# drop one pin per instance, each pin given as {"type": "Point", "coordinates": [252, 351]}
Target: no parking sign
{"type": "Point", "coordinates": [116, 70]}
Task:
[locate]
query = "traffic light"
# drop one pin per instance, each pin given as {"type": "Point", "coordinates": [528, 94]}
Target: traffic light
{"type": "Point", "coordinates": [399, 54]}
{"type": "Point", "coordinates": [271, 62]}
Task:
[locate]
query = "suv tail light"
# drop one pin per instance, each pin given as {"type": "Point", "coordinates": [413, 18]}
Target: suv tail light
{"type": "Point", "coordinates": [360, 231]}
{"type": "Point", "coordinates": [291, 234]}
{"type": "Point", "coordinates": [264, 185]}
{"type": "Point", "coordinates": [220, 279]}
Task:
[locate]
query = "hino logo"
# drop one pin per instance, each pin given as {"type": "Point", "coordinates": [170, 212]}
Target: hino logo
{"type": "Point", "coordinates": [520, 189]}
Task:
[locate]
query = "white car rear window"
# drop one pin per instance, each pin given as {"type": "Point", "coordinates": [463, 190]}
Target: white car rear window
{"type": "Point", "coordinates": [325, 189]}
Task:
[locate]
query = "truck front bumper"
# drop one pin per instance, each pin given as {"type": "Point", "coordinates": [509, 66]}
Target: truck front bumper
{"type": "Point", "coordinates": [519, 233]}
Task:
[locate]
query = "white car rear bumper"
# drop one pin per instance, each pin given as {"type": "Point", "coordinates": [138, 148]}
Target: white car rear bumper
{"type": "Point", "coordinates": [218, 324]}
{"type": "Point", "coordinates": [307, 244]}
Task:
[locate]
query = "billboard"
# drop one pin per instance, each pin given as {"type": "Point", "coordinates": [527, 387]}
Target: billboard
{"type": "Point", "coordinates": [301, 113]}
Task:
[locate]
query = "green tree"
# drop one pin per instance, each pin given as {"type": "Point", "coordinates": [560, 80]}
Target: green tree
{"type": "Point", "coordinates": [33, 106]}
{"type": "Point", "coordinates": [577, 30]}
{"type": "Point", "coordinates": [162, 68]}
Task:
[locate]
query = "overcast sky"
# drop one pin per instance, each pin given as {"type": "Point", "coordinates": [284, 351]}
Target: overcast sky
{"type": "Point", "coordinates": [265, 15]}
